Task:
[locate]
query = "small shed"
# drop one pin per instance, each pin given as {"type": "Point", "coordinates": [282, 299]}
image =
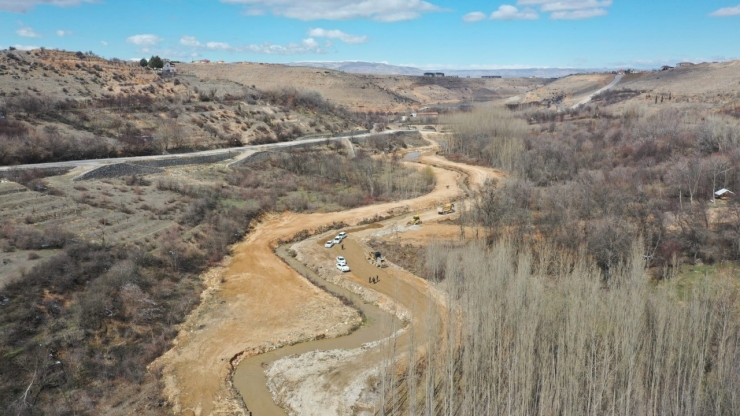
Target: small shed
{"type": "Point", "coordinates": [723, 194]}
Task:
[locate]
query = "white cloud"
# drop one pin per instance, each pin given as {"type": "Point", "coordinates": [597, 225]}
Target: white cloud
{"type": "Point", "coordinates": [104, 43]}
{"type": "Point", "coordinates": [144, 40]}
{"type": "Point", "coordinates": [474, 17]}
{"type": "Point", "coordinates": [560, 5]}
{"type": "Point", "coordinates": [189, 41]}
{"type": "Point", "coordinates": [26, 32]}
{"type": "Point", "coordinates": [727, 11]}
{"type": "Point", "coordinates": [63, 33]}
{"type": "Point", "coordinates": [254, 12]}
{"type": "Point", "coordinates": [337, 34]}
{"type": "Point", "coordinates": [25, 47]}
{"type": "Point", "coordinates": [508, 12]}
{"type": "Point", "coordinates": [379, 10]}
{"type": "Point", "coordinates": [219, 46]}
{"type": "Point", "coordinates": [306, 46]}
{"type": "Point", "coordinates": [578, 14]}
{"type": "Point", "coordinates": [22, 6]}
{"type": "Point", "coordinates": [558, 9]}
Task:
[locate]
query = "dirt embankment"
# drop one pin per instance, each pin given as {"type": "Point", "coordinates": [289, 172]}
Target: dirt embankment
{"type": "Point", "coordinates": [256, 303]}
{"type": "Point", "coordinates": [329, 382]}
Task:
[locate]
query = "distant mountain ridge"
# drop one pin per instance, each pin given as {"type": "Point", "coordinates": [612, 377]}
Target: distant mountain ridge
{"type": "Point", "coordinates": [377, 68]}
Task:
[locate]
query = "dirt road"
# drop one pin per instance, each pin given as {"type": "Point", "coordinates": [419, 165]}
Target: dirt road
{"type": "Point", "coordinates": [588, 98]}
{"type": "Point", "coordinates": [236, 151]}
{"type": "Point", "coordinates": [257, 303]}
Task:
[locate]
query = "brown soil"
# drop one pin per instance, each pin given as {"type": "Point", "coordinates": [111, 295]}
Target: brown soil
{"type": "Point", "coordinates": [256, 302]}
{"type": "Point", "coordinates": [363, 92]}
{"type": "Point", "coordinates": [707, 85]}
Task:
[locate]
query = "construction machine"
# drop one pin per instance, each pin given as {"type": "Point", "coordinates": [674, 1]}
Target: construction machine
{"type": "Point", "coordinates": [446, 209]}
{"type": "Point", "coordinates": [415, 221]}
{"type": "Point", "coordinates": [376, 259]}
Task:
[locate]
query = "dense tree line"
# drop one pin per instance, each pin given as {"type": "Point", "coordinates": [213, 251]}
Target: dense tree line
{"type": "Point", "coordinates": [600, 181]}
{"type": "Point", "coordinates": [540, 332]}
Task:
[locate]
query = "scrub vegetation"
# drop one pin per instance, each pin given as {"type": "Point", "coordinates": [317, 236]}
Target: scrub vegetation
{"type": "Point", "coordinates": [121, 263]}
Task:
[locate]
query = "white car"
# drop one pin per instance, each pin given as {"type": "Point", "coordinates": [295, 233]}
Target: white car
{"type": "Point", "coordinates": [337, 240]}
{"type": "Point", "coordinates": [342, 267]}
{"type": "Point", "coordinates": [342, 235]}
{"type": "Point", "coordinates": [329, 244]}
{"type": "Point", "coordinates": [341, 260]}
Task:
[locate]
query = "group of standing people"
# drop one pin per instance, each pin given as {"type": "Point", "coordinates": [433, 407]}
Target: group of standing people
{"type": "Point", "coordinates": [373, 280]}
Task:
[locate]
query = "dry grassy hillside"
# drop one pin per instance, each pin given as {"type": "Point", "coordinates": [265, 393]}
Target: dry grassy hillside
{"type": "Point", "coordinates": [709, 86]}
{"type": "Point", "coordinates": [63, 105]}
{"type": "Point", "coordinates": [697, 80]}
{"type": "Point", "coordinates": [65, 75]}
{"type": "Point", "coordinates": [362, 92]}
{"type": "Point", "coordinates": [567, 88]}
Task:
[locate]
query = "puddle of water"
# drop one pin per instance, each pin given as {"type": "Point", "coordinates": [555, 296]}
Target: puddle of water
{"type": "Point", "coordinates": [249, 378]}
{"type": "Point", "coordinates": [412, 156]}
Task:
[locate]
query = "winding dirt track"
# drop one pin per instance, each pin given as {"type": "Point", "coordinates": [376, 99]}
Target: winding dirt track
{"type": "Point", "coordinates": [257, 303]}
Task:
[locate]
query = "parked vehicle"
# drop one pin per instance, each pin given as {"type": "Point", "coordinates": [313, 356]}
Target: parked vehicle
{"type": "Point", "coordinates": [342, 235]}
{"type": "Point", "coordinates": [446, 209]}
{"type": "Point", "coordinates": [337, 240]}
{"type": "Point", "coordinates": [342, 267]}
{"type": "Point", "coordinates": [341, 260]}
{"type": "Point", "coordinates": [329, 244]}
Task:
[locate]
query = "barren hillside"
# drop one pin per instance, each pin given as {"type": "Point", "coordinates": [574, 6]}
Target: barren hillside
{"type": "Point", "coordinates": [712, 86]}
{"type": "Point", "coordinates": [63, 105]}
{"type": "Point", "coordinates": [361, 92]}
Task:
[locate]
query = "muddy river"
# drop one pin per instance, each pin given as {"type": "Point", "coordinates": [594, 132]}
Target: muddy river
{"type": "Point", "coordinates": [249, 378]}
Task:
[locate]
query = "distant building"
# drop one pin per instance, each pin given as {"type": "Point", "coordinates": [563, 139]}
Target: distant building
{"type": "Point", "coordinates": [723, 194]}
{"type": "Point", "coordinates": [169, 68]}
{"type": "Point", "coordinates": [439, 74]}
{"type": "Point", "coordinates": [491, 76]}
{"type": "Point", "coordinates": [666, 67]}
{"type": "Point", "coordinates": [684, 64]}
{"type": "Point", "coordinates": [203, 61]}
{"type": "Point", "coordinates": [429, 74]}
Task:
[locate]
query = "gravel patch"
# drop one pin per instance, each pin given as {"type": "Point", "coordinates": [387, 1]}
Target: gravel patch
{"type": "Point", "coordinates": [180, 161]}
{"type": "Point", "coordinates": [118, 170]}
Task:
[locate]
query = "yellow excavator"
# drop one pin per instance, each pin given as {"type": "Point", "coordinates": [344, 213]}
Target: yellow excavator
{"type": "Point", "coordinates": [415, 221]}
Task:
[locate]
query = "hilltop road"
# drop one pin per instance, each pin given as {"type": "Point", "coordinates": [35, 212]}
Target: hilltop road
{"type": "Point", "coordinates": [611, 85]}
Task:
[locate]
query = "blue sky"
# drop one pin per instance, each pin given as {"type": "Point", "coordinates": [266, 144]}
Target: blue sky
{"type": "Point", "coordinates": [442, 34]}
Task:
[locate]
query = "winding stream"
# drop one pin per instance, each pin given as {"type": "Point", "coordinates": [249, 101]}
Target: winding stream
{"type": "Point", "coordinates": [249, 378]}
